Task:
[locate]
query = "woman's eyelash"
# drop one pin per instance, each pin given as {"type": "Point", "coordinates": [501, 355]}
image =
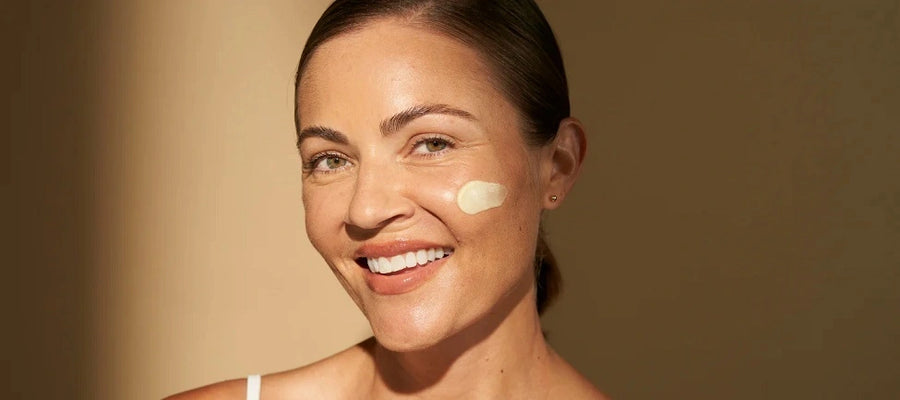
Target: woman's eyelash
{"type": "Point", "coordinates": [314, 160]}
{"type": "Point", "coordinates": [310, 166]}
{"type": "Point", "coordinates": [448, 143]}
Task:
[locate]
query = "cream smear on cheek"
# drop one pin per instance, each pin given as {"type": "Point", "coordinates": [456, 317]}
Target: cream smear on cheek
{"type": "Point", "coordinates": [477, 196]}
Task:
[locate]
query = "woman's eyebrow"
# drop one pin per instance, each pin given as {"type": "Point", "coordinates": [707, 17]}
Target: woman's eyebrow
{"type": "Point", "coordinates": [399, 120]}
{"type": "Point", "coordinates": [326, 133]}
{"type": "Point", "coordinates": [388, 126]}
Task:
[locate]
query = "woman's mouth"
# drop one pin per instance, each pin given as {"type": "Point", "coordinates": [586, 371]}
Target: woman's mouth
{"type": "Point", "coordinates": [400, 262]}
{"type": "Point", "coordinates": [400, 266]}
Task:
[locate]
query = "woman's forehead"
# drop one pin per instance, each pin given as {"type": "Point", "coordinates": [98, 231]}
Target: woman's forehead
{"type": "Point", "coordinates": [389, 66]}
{"type": "Point", "coordinates": [392, 37]}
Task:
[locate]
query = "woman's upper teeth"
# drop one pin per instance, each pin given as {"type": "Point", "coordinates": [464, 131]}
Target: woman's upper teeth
{"type": "Point", "coordinates": [386, 265]}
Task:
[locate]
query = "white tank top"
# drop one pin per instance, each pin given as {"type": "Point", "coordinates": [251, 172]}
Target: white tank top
{"type": "Point", "coordinates": [253, 383]}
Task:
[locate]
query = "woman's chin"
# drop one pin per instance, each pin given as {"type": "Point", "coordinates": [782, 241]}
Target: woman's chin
{"type": "Point", "coordinates": [411, 322]}
{"type": "Point", "coordinates": [409, 333]}
{"type": "Point", "coordinates": [406, 340]}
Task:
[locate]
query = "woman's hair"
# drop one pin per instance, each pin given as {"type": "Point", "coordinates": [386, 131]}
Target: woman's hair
{"type": "Point", "coordinates": [515, 41]}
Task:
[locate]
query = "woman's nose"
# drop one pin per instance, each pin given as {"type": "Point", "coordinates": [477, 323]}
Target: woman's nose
{"type": "Point", "coordinates": [378, 199]}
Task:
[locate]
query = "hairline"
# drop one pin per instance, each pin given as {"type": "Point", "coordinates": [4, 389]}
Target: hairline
{"type": "Point", "coordinates": [417, 19]}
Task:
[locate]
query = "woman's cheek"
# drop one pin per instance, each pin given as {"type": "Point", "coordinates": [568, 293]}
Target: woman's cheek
{"type": "Point", "coordinates": [432, 189]}
{"type": "Point", "coordinates": [324, 210]}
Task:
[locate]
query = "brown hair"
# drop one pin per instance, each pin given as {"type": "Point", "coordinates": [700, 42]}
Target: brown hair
{"type": "Point", "coordinates": [516, 42]}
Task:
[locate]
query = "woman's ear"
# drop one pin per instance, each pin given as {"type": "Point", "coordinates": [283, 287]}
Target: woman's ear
{"type": "Point", "coordinates": [563, 161]}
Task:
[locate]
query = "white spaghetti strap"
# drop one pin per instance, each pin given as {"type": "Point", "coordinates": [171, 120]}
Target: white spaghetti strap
{"type": "Point", "coordinates": [253, 384]}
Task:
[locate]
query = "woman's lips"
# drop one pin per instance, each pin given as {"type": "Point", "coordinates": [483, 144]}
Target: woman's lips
{"type": "Point", "coordinates": [410, 259]}
{"type": "Point", "coordinates": [400, 266]}
{"type": "Point", "coordinates": [403, 281]}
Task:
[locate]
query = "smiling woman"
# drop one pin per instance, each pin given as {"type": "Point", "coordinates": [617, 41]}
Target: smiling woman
{"type": "Point", "coordinates": [433, 136]}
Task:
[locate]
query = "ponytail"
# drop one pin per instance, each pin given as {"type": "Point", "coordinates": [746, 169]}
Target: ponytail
{"type": "Point", "coordinates": [546, 272]}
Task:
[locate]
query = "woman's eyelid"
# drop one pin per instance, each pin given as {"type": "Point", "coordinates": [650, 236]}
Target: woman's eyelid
{"type": "Point", "coordinates": [318, 158]}
{"type": "Point", "coordinates": [424, 138]}
{"type": "Point", "coordinates": [316, 146]}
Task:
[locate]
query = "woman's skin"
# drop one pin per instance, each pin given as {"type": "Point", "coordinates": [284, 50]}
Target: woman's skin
{"type": "Point", "coordinates": [394, 120]}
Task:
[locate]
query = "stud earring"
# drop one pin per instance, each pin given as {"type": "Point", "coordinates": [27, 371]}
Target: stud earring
{"type": "Point", "coordinates": [553, 198]}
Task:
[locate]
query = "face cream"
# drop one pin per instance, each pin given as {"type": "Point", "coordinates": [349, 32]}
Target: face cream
{"type": "Point", "coordinates": [477, 196]}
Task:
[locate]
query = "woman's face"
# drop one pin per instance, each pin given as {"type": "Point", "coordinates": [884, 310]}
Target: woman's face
{"type": "Point", "coordinates": [394, 121]}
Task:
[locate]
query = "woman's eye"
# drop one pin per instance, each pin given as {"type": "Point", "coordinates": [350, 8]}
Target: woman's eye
{"type": "Point", "coordinates": [328, 163]}
{"type": "Point", "coordinates": [431, 145]}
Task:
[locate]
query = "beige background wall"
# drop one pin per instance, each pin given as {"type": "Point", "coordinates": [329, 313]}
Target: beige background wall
{"type": "Point", "coordinates": [734, 235]}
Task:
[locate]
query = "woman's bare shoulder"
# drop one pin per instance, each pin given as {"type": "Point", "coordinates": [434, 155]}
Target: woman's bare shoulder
{"type": "Point", "coordinates": [337, 376]}
{"type": "Point", "coordinates": [233, 389]}
{"type": "Point", "coordinates": [576, 388]}
{"type": "Point", "coordinates": [568, 383]}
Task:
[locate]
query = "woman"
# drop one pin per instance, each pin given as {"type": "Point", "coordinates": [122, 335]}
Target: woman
{"type": "Point", "coordinates": [433, 135]}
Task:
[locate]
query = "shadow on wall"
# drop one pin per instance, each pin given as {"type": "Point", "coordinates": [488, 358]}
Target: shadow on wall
{"type": "Point", "coordinates": [735, 232]}
{"type": "Point", "coordinates": [48, 87]}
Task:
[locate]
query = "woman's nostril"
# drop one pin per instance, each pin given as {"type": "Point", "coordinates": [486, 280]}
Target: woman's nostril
{"type": "Point", "coordinates": [373, 212]}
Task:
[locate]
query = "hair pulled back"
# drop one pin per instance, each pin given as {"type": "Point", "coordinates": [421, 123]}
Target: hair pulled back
{"type": "Point", "coordinates": [517, 44]}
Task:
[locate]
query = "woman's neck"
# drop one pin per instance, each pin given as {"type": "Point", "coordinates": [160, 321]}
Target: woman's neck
{"type": "Point", "coordinates": [497, 358]}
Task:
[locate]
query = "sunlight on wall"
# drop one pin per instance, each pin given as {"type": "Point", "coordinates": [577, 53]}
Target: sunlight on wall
{"type": "Point", "coordinates": [204, 271]}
